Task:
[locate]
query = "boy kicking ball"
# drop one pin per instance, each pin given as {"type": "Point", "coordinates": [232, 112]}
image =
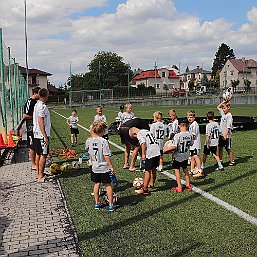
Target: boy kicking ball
{"type": "Point", "coordinates": [181, 144]}
{"type": "Point", "coordinates": [150, 156]}
{"type": "Point", "coordinates": [99, 152]}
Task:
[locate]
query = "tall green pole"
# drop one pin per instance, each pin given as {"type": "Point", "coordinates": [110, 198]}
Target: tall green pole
{"type": "Point", "coordinates": [2, 78]}
{"type": "Point", "coordinates": [70, 74]}
{"type": "Point", "coordinates": [99, 78]}
{"type": "Point", "coordinates": [10, 85]}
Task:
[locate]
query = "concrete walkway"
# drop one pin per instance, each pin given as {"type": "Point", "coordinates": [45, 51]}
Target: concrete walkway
{"type": "Point", "coordinates": [33, 217]}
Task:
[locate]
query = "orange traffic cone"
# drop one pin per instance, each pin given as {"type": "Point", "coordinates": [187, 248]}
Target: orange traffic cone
{"type": "Point", "coordinates": [2, 144]}
{"type": "Point", "coordinates": [10, 141]}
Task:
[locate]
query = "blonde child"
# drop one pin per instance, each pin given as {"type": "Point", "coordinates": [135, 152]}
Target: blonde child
{"type": "Point", "coordinates": [173, 128]}
{"type": "Point", "coordinates": [127, 115]}
{"type": "Point", "coordinates": [181, 143]}
{"type": "Point", "coordinates": [73, 124]}
{"type": "Point", "coordinates": [158, 131]}
{"type": "Point", "coordinates": [150, 156]}
{"type": "Point", "coordinates": [99, 152]}
{"type": "Point", "coordinates": [226, 126]}
{"type": "Point", "coordinates": [211, 141]}
{"type": "Point", "coordinates": [195, 148]}
{"type": "Point", "coordinates": [101, 117]}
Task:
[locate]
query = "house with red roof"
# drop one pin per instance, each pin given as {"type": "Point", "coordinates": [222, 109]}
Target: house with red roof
{"type": "Point", "coordinates": [37, 78]}
{"type": "Point", "coordinates": [241, 70]}
{"type": "Point", "coordinates": [161, 79]}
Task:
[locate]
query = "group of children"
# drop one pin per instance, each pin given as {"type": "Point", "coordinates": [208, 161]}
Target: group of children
{"type": "Point", "coordinates": [184, 145]}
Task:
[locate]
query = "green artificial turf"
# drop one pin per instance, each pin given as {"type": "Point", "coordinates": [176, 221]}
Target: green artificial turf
{"type": "Point", "coordinates": [165, 223]}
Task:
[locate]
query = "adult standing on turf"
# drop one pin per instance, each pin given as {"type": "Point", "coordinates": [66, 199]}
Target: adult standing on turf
{"type": "Point", "coordinates": [41, 129]}
{"type": "Point", "coordinates": [28, 116]}
{"type": "Point", "coordinates": [131, 143]}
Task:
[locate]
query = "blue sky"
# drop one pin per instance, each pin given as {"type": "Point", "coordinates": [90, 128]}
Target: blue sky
{"type": "Point", "coordinates": [232, 10]}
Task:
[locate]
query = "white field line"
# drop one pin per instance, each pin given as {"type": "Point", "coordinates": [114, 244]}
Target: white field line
{"type": "Point", "coordinates": [206, 195]}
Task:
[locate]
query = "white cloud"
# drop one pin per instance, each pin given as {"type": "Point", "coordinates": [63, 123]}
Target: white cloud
{"type": "Point", "coordinates": [139, 30]}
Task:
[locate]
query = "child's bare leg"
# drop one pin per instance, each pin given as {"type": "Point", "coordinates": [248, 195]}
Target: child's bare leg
{"type": "Point", "coordinates": [230, 154]}
{"type": "Point", "coordinates": [96, 192]}
{"type": "Point", "coordinates": [147, 179]}
{"type": "Point", "coordinates": [161, 161]}
{"type": "Point", "coordinates": [178, 178]}
{"type": "Point", "coordinates": [153, 178]}
{"type": "Point", "coordinates": [75, 139]}
{"type": "Point", "coordinates": [187, 177]}
{"type": "Point", "coordinates": [198, 162]}
{"type": "Point", "coordinates": [204, 158]}
{"type": "Point", "coordinates": [109, 193]}
{"type": "Point", "coordinates": [126, 156]}
{"type": "Point", "coordinates": [220, 166]}
{"type": "Point", "coordinates": [72, 139]}
{"type": "Point", "coordinates": [192, 163]}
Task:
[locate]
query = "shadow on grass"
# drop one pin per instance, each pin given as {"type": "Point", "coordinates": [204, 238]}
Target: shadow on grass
{"type": "Point", "coordinates": [75, 173]}
{"type": "Point", "coordinates": [129, 221]}
{"type": "Point", "coordinates": [58, 136]}
{"type": "Point", "coordinates": [187, 250]}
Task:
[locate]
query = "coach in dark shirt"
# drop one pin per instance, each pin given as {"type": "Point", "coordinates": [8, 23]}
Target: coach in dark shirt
{"type": "Point", "coordinates": [28, 116]}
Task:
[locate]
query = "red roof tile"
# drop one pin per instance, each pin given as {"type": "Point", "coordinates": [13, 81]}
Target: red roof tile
{"type": "Point", "coordinates": [243, 65]}
{"type": "Point", "coordinates": [151, 74]}
{"type": "Point", "coordinates": [172, 75]}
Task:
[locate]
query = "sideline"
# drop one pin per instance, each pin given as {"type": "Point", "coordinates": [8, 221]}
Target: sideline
{"type": "Point", "coordinates": [206, 195]}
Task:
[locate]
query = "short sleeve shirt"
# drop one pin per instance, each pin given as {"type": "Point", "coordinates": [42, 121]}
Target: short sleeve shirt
{"type": "Point", "coordinates": [182, 141]}
{"type": "Point", "coordinates": [73, 120]}
{"type": "Point", "coordinates": [226, 123]}
{"type": "Point", "coordinates": [28, 109]}
{"type": "Point", "coordinates": [194, 130]}
{"type": "Point", "coordinates": [41, 110]}
{"type": "Point", "coordinates": [173, 128]}
{"type": "Point", "coordinates": [98, 148]}
{"type": "Point", "coordinates": [213, 132]}
{"type": "Point", "coordinates": [158, 131]}
{"type": "Point", "coordinates": [152, 147]}
{"type": "Point", "coordinates": [127, 116]}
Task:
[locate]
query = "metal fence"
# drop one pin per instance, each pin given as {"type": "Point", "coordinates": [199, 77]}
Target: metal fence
{"type": "Point", "coordinates": [13, 88]}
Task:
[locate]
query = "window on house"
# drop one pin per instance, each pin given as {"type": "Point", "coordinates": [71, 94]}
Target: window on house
{"type": "Point", "coordinates": [171, 85]}
{"type": "Point", "coordinates": [34, 79]}
{"type": "Point", "coordinates": [156, 86]}
{"type": "Point", "coordinates": [199, 76]}
{"type": "Point", "coordinates": [163, 74]}
{"type": "Point", "coordinates": [232, 73]}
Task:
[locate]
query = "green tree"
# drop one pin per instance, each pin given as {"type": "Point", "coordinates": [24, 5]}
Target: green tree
{"type": "Point", "coordinates": [166, 88]}
{"type": "Point", "coordinates": [108, 70]}
{"type": "Point", "coordinates": [222, 55]}
{"type": "Point", "coordinates": [247, 84]}
{"type": "Point", "coordinates": [187, 69]}
{"type": "Point", "coordinates": [191, 86]}
{"type": "Point", "coordinates": [205, 81]}
{"type": "Point", "coordinates": [234, 84]}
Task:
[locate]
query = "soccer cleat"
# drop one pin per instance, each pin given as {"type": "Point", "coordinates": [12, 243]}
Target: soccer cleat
{"type": "Point", "coordinates": [232, 163]}
{"type": "Point", "coordinates": [189, 187]}
{"type": "Point", "coordinates": [111, 208]}
{"type": "Point", "coordinates": [220, 168]}
{"type": "Point", "coordinates": [198, 175]}
{"type": "Point", "coordinates": [177, 189]}
{"type": "Point", "coordinates": [98, 206]}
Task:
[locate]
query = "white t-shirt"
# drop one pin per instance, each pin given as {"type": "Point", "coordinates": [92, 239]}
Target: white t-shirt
{"type": "Point", "coordinates": [152, 147]}
{"type": "Point", "coordinates": [182, 141]}
{"type": "Point", "coordinates": [127, 116]}
{"type": "Point", "coordinates": [195, 132]}
{"type": "Point", "coordinates": [226, 122]}
{"type": "Point", "coordinates": [158, 131]}
{"type": "Point", "coordinates": [73, 120]}
{"type": "Point", "coordinates": [103, 119]}
{"type": "Point", "coordinates": [173, 129]}
{"type": "Point", "coordinates": [41, 110]}
{"type": "Point", "coordinates": [98, 148]}
{"type": "Point", "coordinates": [213, 132]}
{"type": "Point", "coordinates": [120, 115]}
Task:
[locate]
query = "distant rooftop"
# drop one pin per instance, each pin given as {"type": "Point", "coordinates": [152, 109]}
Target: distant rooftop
{"type": "Point", "coordinates": [243, 65]}
{"type": "Point", "coordinates": [197, 70]}
{"type": "Point", "coordinates": [34, 71]}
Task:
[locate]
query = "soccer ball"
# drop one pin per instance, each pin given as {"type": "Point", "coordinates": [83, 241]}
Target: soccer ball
{"type": "Point", "coordinates": [227, 95]}
{"type": "Point", "coordinates": [49, 161]}
{"type": "Point", "coordinates": [65, 167]}
{"type": "Point", "coordinates": [115, 198]}
{"type": "Point", "coordinates": [167, 146]}
{"type": "Point", "coordinates": [54, 168]}
{"type": "Point", "coordinates": [138, 183]}
{"type": "Point", "coordinates": [75, 165]}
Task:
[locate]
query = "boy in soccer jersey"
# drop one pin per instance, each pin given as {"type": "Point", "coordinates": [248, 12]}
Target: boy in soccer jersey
{"type": "Point", "coordinates": [195, 148]}
{"type": "Point", "coordinates": [158, 130]}
{"type": "Point", "coordinates": [173, 126]}
{"type": "Point", "coordinates": [127, 115]}
{"type": "Point", "coordinates": [120, 113]}
{"type": "Point", "coordinates": [73, 124]}
{"type": "Point", "coordinates": [211, 141]}
{"type": "Point", "coordinates": [150, 156]}
{"type": "Point", "coordinates": [101, 117]}
{"type": "Point", "coordinates": [226, 126]}
{"type": "Point", "coordinates": [181, 144]}
{"type": "Point", "coordinates": [99, 151]}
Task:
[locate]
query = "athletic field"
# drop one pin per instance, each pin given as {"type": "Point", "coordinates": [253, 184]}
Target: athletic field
{"type": "Point", "coordinates": [218, 218]}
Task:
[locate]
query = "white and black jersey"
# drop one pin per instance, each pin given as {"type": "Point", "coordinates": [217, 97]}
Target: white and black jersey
{"type": "Point", "coordinates": [120, 116]}
{"type": "Point", "coordinates": [41, 110]}
{"type": "Point", "coordinates": [194, 130]}
{"type": "Point", "coordinates": [73, 121]}
{"type": "Point", "coordinates": [126, 117]}
{"type": "Point", "coordinates": [98, 148]}
{"type": "Point", "coordinates": [29, 109]}
{"type": "Point", "coordinates": [182, 141]}
{"type": "Point", "coordinates": [103, 119]}
{"type": "Point", "coordinates": [172, 129]}
{"type": "Point", "coordinates": [158, 131]}
{"type": "Point", "coordinates": [213, 132]}
{"type": "Point", "coordinates": [226, 122]}
{"type": "Point", "coordinates": [152, 147]}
